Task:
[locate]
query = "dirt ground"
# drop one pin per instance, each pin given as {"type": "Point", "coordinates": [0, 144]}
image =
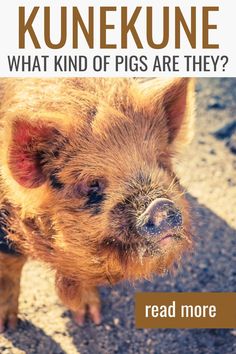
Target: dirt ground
{"type": "Point", "coordinates": [209, 174]}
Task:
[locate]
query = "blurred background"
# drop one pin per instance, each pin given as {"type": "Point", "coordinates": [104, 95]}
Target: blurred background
{"type": "Point", "coordinates": [208, 171]}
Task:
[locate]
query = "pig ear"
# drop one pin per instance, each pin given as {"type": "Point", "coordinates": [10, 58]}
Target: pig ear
{"type": "Point", "coordinates": [29, 142]}
{"type": "Point", "coordinates": [175, 97]}
{"type": "Point", "coordinates": [179, 106]}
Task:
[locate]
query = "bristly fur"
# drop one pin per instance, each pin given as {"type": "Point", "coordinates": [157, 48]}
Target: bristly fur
{"type": "Point", "coordinates": [80, 161]}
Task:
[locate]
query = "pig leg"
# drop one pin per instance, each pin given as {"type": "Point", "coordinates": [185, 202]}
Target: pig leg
{"type": "Point", "coordinates": [90, 304]}
{"type": "Point", "coordinates": [81, 299]}
{"type": "Point", "coordinates": [10, 273]}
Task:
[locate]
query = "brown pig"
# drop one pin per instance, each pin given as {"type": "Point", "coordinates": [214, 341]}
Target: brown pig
{"type": "Point", "coordinates": [87, 183]}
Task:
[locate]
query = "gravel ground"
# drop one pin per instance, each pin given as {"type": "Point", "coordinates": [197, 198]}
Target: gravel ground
{"type": "Point", "coordinates": [209, 173]}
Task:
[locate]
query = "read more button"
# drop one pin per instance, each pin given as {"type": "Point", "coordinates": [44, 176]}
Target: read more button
{"type": "Point", "coordinates": [185, 310]}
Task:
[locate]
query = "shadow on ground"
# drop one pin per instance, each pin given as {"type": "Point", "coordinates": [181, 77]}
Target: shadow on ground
{"type": "Point", "coordinates": [212, 268]}
{"type": "Point", "coordinates": [33, 337]}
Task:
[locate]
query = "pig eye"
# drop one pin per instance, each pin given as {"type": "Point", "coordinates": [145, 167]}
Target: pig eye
{"type": "Point", "coordinates": [90, 188]}
{"type": "Point", "coordinates": [96, 186]}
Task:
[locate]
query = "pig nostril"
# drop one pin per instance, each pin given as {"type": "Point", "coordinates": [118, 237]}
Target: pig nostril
{"type": "Point", "coordinates": [149, 224]}
{"type": "Point", "coordinates": [149, 228]}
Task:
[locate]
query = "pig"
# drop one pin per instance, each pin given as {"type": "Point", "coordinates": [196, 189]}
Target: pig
{"type": "Point", "coordinates": [88, 184]}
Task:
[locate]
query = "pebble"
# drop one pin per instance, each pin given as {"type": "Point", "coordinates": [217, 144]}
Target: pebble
{"type": "Point", "coordinates": [231, 182]}
{"type": "Point", "coordinates": [215, 103]}
{"type": "Point", "coordinates": [198, 87]}
{"type": "Point", "coordinates": [201, 142]}
{"type": "Point", "coordinates": [212, 152]}
{"type": "Point", "coordinates": [226, 131]}
{"type": "Point", "coordinates": [116, 321]}
{"type": "Point", "coordinates": [231, 144]}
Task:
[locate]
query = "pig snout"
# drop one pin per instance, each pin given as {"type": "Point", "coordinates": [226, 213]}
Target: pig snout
{"type": "Point", "coordinates": [161, 216]}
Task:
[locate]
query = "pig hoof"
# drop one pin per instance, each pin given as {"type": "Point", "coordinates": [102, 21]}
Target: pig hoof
{"type": "Point", "coordinates": [92, 310]}
{"type": "Point", "coordinates": [8, 322]}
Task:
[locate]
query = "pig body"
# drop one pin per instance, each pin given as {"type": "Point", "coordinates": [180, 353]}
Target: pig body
{"type": "Point", "coordinates": [87, 183]}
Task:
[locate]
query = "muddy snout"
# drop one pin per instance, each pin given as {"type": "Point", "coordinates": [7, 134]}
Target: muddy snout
{"type": "Point", "coordinates": [161, 216]}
